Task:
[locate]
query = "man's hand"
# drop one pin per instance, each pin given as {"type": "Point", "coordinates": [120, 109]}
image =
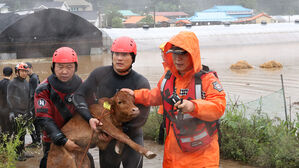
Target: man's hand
{"type": "Point", "coordinates": [71, 146]}
{"type": "Point", "coordinates": [130, 91]}
{"type": "Point", "coordinates": [186, 106]}
{"type": "Point", "coordinates": [93, 122]}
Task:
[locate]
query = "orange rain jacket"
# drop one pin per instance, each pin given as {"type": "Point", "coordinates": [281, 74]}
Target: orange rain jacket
{"type": "Point", "coordinates": [209, 109]}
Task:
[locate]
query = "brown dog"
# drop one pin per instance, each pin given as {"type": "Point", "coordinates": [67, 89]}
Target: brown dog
{"type": "Point", "coordinates": [112, 113]}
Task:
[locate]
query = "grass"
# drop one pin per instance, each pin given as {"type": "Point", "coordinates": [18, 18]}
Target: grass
{"type": "Point", "coordinates": [9, 144]}
{"type": "Point", "coordinates": [256, 140]}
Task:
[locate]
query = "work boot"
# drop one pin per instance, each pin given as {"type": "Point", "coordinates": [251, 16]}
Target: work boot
{"type": "Point", "coordinates": [21, 157]}
{"type": "Point", "coordinates": [28, 155]}
{"type": "Point", "coordinates": [34, 145]}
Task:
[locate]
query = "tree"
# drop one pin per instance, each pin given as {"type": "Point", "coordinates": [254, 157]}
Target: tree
{"type": "Point", "coordinates": [113, 18]}
{"type": "Point", "coordinates": [147, 20]}
{"type": "Point", "coordinates": [117, 22]}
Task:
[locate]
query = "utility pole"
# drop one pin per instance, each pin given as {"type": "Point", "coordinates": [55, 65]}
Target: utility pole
{"type": "Point", "coordinates": [154, 16]}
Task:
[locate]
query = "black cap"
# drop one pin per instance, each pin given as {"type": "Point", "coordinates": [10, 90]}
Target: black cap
{"type": "Point", "coordinates": [7, 71]}
{"type": "Point", "coordinates": [29, 64]}
{"type": "Point", "coordinates": [176, 50]}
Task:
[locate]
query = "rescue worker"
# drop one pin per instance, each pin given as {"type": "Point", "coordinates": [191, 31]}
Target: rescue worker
{"type": "Point", "coordinates": [53, 105]}
{"type": "Point", "coordinates": [4, 109]}
{"type": "Point", "coordinates": [105, 82]}
{"type": "Point", "coordinates": [18, 102]}
{"type": "Point", "coordinates": [33, 83]}
{"type": "Point", "coordinates": [161, 46]}
{"type": "Point", "coordinates": [160, 109]}
{"type": "Point", "coordinates": [193, 101]}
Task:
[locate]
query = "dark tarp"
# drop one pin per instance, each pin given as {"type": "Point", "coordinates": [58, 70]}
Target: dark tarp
{"type": "Point", "coordinates": [40, 33]}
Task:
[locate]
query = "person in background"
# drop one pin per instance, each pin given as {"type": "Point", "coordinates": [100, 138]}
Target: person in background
{"type": "Point", "coordinates": [33, 83]}
{"type": "Point", "coordinates": [18, 102]}
{"type": "Point", "coordinates": [105, 82]}
{"type": "Point", "coordinates": [160, 109]}
{"type": "Point", "coordinates": [4, 109]}
{"type": "Point", "coordinates": [161, 46]}
{"type": "Point", "coordinates": [193, 100]}
{"type": "Point", "coordinates": [53, 105]}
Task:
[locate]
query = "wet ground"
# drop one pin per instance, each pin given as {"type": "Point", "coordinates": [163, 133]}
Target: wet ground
{"type": "Point", "coordinates": [147, 163]}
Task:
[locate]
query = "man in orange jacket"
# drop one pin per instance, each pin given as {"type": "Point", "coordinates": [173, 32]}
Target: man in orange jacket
{"type": "Point", "coordinates": [193, 101]}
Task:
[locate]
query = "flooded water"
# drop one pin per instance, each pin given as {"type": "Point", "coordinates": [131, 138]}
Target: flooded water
{"type": "Point", "coordinates": [245, 85]}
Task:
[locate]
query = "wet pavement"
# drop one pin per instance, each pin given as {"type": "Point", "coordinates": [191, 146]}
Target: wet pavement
{"type": "Point", "coordinates": [147, 163]}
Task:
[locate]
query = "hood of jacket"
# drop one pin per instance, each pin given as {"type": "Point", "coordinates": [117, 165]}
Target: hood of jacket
{"type": "Point", "coordinates": [188, 41]}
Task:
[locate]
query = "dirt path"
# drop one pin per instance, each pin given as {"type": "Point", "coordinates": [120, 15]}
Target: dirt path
{"type": "Point", "coordinates": [153, 163]}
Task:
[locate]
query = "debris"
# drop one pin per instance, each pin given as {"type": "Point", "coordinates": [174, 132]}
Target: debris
{"type": "Point", "coordinates": [241, 65]}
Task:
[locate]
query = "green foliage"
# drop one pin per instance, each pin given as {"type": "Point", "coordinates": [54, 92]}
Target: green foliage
{"type": "Point", "coordinates": [117, 22]}
{"type": "Point", "coordinates": [147, 20]}
{"type": "Point", "coordinates": [152, 125]}
{"type": "Point", "coordinates": [259, 140]}
{"type": "Point", "coordinates": [9, 144]}
{"type": "Point", "coordinates": [113, 18]}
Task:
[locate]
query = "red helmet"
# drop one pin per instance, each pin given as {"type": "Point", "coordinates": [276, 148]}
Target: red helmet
{"type": "Point", "coordinates": [124, 44]}
{"type": "Point", "coordinates": [64, 55]}
{"type": "Point", "coordinates": [21, 66]}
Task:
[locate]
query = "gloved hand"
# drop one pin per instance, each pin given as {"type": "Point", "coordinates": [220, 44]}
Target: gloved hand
{"type": "Point", "coordinates": [11, 117]}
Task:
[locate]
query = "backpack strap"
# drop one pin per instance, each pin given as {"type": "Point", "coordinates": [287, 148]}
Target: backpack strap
{"type": "Point", "coordinates": [162, 125]}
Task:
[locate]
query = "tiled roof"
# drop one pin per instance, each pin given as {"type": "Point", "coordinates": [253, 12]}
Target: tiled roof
{"type": "Point", "coordinates": [53, 4]}
{"type": "Point", "coordinates": [135, 19]}
{"type": "Point", "coordinates": [211, 16]}
{"type": "Point", "coordinates": [76, 2]}
{"type": "Point", "coordinates": [254, 17]}
{"type": "Point", "coordinates": [228, 8]}
{"type": "Point", "coordinates": [169, 13]}
{"type": "Point", "coordinates": [183, 21]}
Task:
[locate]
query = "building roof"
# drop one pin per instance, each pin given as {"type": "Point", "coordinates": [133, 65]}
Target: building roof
{"type": "Point", "coordinates": [75, 2]}
{"type": "Point", "coordinates": [127, 13]}
{"type": "Point", "coordinates": [183, 21]}
{"type": "Point", "coordinates": [254, 17]}
{"type": "Point", "coordinates": [2, 5]}
{"type": "Point", "coordinates": [136, 19]}
{"type": "Point", "coordinates": [87, 15]}
{"type": "Point", "coordinates": [53, 4]}
{"type": "Point", "coordinates": [55, 28]}
{"type": "Point", "coordinates": [211, 17]}
{"type": "Point", "coordinates": [6, 19]}
{"type": "Point", "coordinates": [229, 9]}
{"type": "Point", "coordinates": [169, 14]}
